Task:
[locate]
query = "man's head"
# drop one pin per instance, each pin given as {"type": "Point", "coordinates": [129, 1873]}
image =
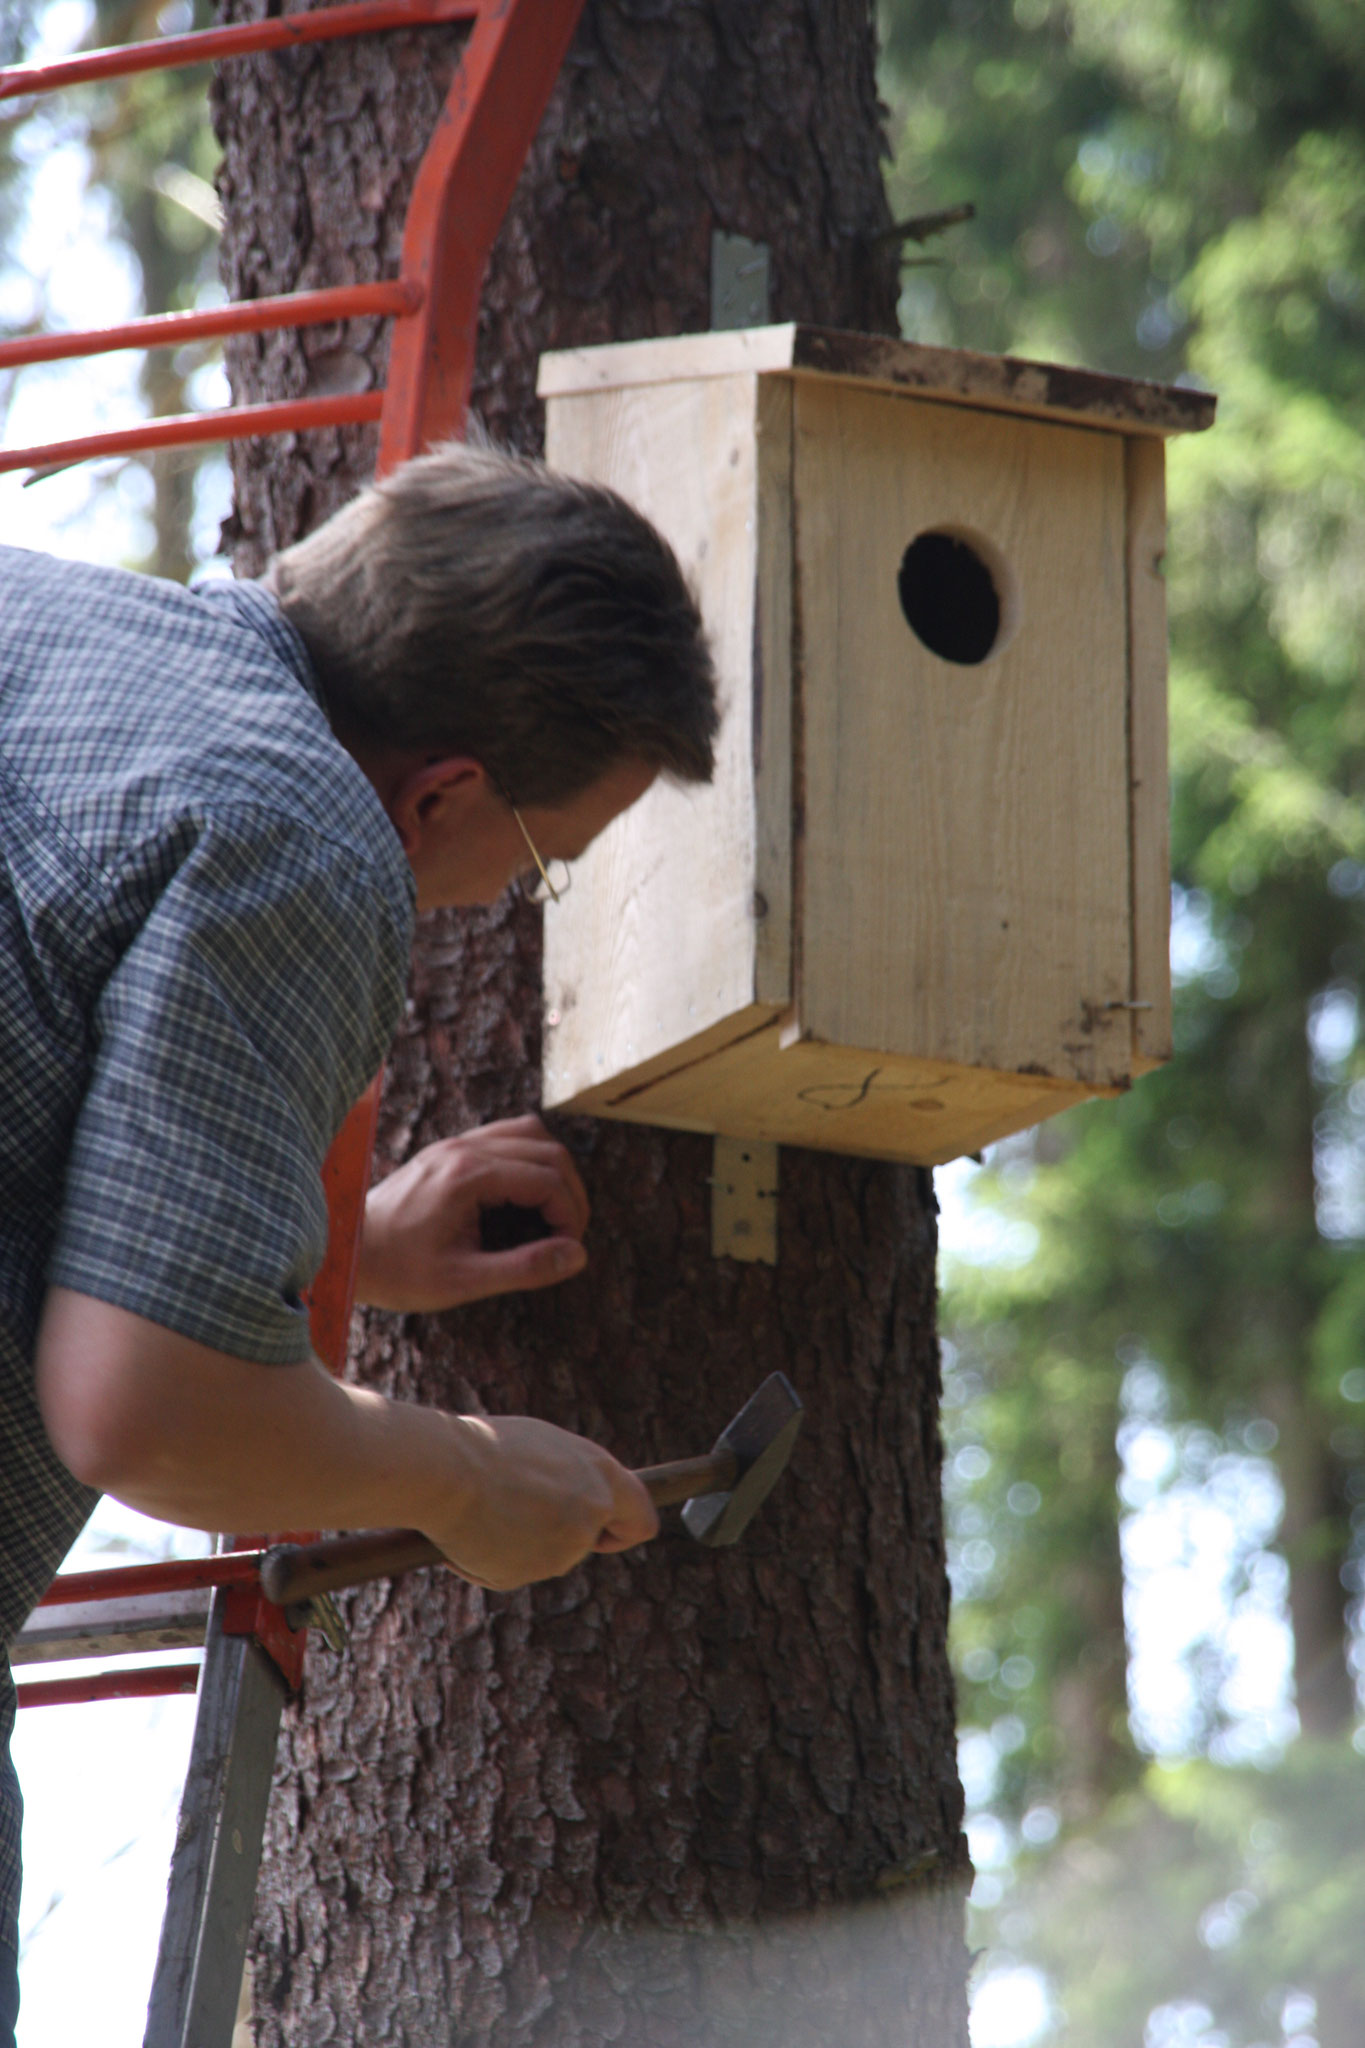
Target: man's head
{"type": "Point", "coordinates": [477, 610]}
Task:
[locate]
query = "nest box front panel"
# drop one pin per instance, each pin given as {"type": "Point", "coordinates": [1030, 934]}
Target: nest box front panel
{"type": "Point", "coordinates": [963, 879]}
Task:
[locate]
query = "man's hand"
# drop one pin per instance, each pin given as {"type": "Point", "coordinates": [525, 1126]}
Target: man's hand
{"type": "Point", "coordinates": [538, 1501]}
{"type": "Point", "coordinates": [421, 1249]}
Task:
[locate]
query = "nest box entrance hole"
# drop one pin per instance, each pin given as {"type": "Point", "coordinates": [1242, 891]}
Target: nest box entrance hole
{"type": "Point", "coordinates": [958, 595]}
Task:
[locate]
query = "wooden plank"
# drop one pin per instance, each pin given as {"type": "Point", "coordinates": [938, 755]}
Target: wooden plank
{"type": "Point", "coordinates": [842, 1099]}
{"type": "Point", "coordinates": [111, 1628]}
{"type": "Point", "coordinates": [1127, 405]}
{"type": "Point", "coordinates": [771, 685]}
{"type": "Point", "coordinates": [608, 1093]}
{"type": "Point", "coordinates": [1145, 476]}
{"type": "Point", "coordinates": [658, 939]}
{"type": "Point", "coordinates": [964, 874]}
{"type": "Point", "coordinates": [668, 359]}
{"type": "Point", "coordinates": [1055, 391]}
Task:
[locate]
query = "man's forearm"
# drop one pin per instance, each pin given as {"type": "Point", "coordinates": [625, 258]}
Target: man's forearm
{"type": "Point", "coordinates": [198, 1437]}
{"type": "Point", "coordinates": [215, 1442]}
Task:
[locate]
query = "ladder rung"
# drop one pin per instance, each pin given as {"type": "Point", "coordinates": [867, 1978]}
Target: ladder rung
{"type": "Point", "coordinates": [147, 1683]}
{"type": "Point", "coordinates": [237, 423]}
{"type": "Point", "coordinates": [113, 1628]}
{"type": "Point", "coordinates": [242, 39]}
{"type": "Point", "coordinates": [158, 1575]}
{"type": "Point", "coordinates": [397, 297]}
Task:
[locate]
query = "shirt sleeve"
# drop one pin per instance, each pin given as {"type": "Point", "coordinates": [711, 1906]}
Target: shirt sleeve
{"type": "Point", "coordinates": [251, 1009]}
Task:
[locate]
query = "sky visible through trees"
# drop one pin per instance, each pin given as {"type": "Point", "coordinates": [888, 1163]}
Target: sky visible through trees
{"type": "Point", "coordinates": [1155, 1310]}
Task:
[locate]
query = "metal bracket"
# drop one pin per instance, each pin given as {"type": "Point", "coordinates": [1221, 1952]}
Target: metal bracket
{"type": "Point", "coordinates": [744, 1200]}
{"type": "Point", "coordinates": [245, 1611]}
{"type": "Point", "coordinates": [212, 1889]}
{"type": "Point", "coordinates": [740, 269]}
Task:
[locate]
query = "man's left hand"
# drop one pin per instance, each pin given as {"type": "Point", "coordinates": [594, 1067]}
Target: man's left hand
{"type": "Point", "coordinates": [421, 1250]}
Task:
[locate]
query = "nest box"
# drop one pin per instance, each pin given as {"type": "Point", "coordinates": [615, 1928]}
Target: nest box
{"type": "Point", "coordinates": [925, 902]}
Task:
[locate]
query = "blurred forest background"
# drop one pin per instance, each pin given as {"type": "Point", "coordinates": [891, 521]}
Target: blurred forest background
{"type": "Point", "coordinates": [1156, 1377]}
{"type": "Point", "coordinates": [144, 153]}
{"type": "Point", "coordinates": [1155, 1336]}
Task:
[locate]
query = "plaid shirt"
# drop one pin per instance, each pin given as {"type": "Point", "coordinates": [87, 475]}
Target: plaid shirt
{"type": "Point", "coordinates": [205, 919]}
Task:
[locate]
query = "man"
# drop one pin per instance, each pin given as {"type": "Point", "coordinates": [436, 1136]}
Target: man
{"type": "Point", "coordinates": [218, 810]}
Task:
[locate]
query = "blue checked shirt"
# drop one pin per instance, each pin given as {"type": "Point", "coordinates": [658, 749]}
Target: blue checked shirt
{"type": "Point", "coordinates": [205, 918]}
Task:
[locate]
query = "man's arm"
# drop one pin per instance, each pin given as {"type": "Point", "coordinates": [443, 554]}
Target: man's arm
{"type": "Point", "coordinates": [198, 1437]}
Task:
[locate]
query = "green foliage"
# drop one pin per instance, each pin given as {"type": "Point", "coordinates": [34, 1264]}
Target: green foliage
{"type": "Point", "coordinates": [994, 108]}
{"type": "Point", "coordinates": [1178, 189]}
{"type": "Point", "coordinates": [1241, 1888]}
{"type": "Point", "coordinates": [1030, 1477]}
{"type": "Point", "coordinates": [150, 154]}
{"type": "Point", "coordinates": [16, 33]}
{"type": "Point", "coordinates": [152, 151]}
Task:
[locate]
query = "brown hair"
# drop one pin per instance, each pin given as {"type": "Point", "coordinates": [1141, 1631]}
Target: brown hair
{"type": "Point", "coordinates": [475, 602]}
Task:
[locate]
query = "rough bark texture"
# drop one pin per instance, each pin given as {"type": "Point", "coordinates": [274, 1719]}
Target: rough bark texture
{"type": "Point", "coordinates": [680, 1796]}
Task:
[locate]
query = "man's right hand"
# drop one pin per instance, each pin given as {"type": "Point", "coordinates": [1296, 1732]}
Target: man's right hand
{"type": "Point", "coordinates": [539, 1500]}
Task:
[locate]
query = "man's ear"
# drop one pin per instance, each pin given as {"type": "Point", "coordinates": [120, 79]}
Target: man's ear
{"type": "Point", "coordinates": [432, 793]}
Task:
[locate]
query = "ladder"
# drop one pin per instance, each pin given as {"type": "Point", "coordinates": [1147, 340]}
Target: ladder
{"type": "Point", "coordinates": [253, 1649]}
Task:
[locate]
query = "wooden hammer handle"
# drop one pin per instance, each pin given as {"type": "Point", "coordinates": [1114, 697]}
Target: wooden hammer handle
{"type": "Point", "coordinates": [667, 1485]}
{"type": "Point", "coordinates": [294, 1572]}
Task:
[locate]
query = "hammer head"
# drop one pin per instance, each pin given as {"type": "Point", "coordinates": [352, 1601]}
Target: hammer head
{"type": "Point", "coordinates": [760, 1440]}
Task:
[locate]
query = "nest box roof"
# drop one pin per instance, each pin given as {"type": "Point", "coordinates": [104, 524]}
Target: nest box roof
{"type": "Point", "coordinates": [952, 376]}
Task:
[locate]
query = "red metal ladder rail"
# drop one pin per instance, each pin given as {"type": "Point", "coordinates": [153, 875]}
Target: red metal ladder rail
{"type": "Point", "coordinates": [494, 106]}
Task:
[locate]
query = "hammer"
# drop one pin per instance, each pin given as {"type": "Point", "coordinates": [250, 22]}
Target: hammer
{"type": "Point", "coordinates": [723, 1491]}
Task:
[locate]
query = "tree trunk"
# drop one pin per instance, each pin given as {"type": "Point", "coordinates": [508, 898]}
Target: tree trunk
{"type": "Point", "coordinates": [1315, 1533]}
{"type": "Point", "coordinates": [1315, 1538]}
{"type": "Point", "coordinates": [1094, 1758]}
{"type": "Point", "coordinates": [684, 1795]}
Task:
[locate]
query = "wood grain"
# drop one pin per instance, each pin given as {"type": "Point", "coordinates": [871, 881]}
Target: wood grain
{"type": "Point", "coordinates": [657, 942]}
{"type": "Point", "coordinates": [965, 867]}
{"type": "Point", "coordinates": [1149, 800]}
{"type": "Point", "coordinates": [958, 893]}
{"type": "Point", "coordinates": [772, 710]}
{"type": "Point", "coordinates": [833, 1098]}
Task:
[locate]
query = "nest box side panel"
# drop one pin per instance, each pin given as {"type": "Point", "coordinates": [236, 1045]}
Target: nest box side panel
{"type": "Point", "coordinates": [963, 878]}
{"type": "Point", "coordinates": [1145, 471]}
{"type": "Point", "coordinates": [659, 953]}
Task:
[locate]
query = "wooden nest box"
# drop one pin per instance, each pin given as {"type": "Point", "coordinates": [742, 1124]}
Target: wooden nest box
{"type": "Point", "coordinates": [925, 902]}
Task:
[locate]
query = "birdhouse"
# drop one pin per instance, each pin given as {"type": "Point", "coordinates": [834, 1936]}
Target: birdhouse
{"type": "Point", "coordinates": [925, 901]}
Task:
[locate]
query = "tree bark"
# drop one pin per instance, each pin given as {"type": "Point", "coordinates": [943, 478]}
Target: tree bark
{"type": "Point", "coordinates": [1316, 1540]}
{"type": "Point", "coordinates": [1315, 1532]}
{"type": "Point", "coordinates": [1093, 1756]}
{"type": "Point", "coordinates": [681, 1796]}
